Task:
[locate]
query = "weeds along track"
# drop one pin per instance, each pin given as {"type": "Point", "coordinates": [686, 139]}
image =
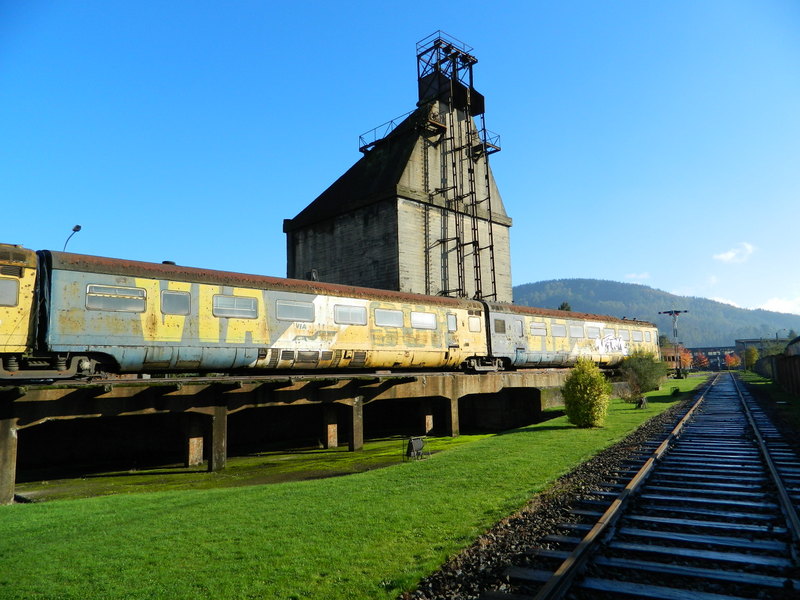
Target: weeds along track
{"type": "Point", "coordinates": [711, 514]}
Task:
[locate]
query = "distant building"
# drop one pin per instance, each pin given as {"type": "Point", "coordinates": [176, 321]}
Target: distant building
{"type": "Point", "coordinates": [715, 355]}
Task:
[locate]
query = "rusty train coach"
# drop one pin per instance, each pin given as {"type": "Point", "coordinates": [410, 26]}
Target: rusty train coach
{"type": "Point", "coordinates": [66, 315]}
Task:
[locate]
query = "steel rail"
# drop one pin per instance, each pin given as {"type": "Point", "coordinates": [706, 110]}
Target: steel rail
{"type": "Point", "coordinates": [787, 506]}
{"type": "Point", "coordinates": [561, 580]}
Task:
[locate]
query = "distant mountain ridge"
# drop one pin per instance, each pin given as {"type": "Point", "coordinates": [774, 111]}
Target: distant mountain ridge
{"type": "Point", "coordinates": [708, 322]}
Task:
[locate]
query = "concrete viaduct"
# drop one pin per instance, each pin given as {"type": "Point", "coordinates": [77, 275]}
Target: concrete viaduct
{"type": "Point", "coordinates": [495, 400]}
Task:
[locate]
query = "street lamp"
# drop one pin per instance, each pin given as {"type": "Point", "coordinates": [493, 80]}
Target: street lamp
{"type": "Point", "coordinates": [75, 230]}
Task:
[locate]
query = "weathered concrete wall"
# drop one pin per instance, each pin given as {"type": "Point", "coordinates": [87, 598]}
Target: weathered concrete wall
{"type": "Point", "coordinates": [431, 169]}
{"type": "Point", "coordinates": [422, 226]}
{"type": "Point", "coordinates": [441, 186]}
{"type": "Point", "coordinates": [356, 248]}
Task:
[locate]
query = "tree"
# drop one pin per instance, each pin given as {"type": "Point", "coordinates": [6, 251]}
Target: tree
{"type": "Point", "coordinates": [564, 306]}
{"type": "Point", "coordinates": [685, 358]}
{"type": "Point", "coordinates": [643, 373]}
{"type": "Point", "coordinates": [732, 361]}
{"type": "Point", "coordinates": [772, 348]}
{"type": "Point", "coordinates": [586, 393]}
{"type": "Point", "coordinates": [700, 361]}
{"type": "Point", "coordinates": [792, 334]}
{"type": "Point", "coordinates": [750, 357]}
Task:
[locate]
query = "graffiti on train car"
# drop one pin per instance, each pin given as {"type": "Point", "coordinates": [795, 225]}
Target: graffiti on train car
{"type": "Point", "coordinates": [611, 344]}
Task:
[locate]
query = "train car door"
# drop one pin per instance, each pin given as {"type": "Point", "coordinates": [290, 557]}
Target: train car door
{"type": "Point", "coordinates": [452, 331]}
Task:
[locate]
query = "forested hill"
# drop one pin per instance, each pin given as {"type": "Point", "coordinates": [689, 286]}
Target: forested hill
{"type": "Point", "coordinates": [708, 323]}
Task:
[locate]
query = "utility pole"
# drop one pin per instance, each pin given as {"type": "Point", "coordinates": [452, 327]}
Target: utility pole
{"type": "Point", "coordinates": [674, 314]}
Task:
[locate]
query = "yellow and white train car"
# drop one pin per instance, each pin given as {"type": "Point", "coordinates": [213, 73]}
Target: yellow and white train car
{"type": "Point", "coordinates": [66, 315]}
{"type": "Point", "coordinates": [524, 337]}
{"type": "Point", "coordinates": [125, 316]}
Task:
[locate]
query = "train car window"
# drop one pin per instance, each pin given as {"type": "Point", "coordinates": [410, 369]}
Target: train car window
{"type": "Point", "coordinates": [292, 310]}
{"type": "Point", "coordinates": [637, 336]}
{"type": "Point", "coordinates": [499, 326]}
{"type": "Point", "coordinates": [9, 292]}
{"type": "Point", "coordinates": [475, 324]}
{"type": "Point", "coordinates": [539, 329]}
{"type": "Point", "coordinates": [388, 318]}
{"type": "Point", "coordinates": [576, 331]}
{"type": "Point", "coordinates": [519, 327]}
{"type": "Point", "coordinates": [452, 322]}
{"type": "Point", "coordinates": [114, 298]}
{"type": "Point", "coordinates": [558, 330]}
{"type": "Point", "coordinates": [593, 333]}
{"type": "Point", "coordinates": [647, 337]}
{"type": "Point", "coordinates": [175, 303]}
{"type": "Point", "coordinates": [237, 307]}
{"type": "Point", "coordinates": [625, 334]}
{"type": "Point", "coordinates": [609, 333]}
{"type": "Point", "coordinates": [423, 320]}
{"type": "Point", "coordinates": [344, 314]}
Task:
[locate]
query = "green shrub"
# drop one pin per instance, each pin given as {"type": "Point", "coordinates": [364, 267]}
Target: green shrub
{"type": "Point", "coordinates": [643, 373]}
{"type": "Point", "coordinates": [586, 394]}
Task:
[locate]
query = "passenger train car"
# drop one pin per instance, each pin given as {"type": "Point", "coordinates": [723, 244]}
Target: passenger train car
{"type": "Point", "coordinates": [66, 315]}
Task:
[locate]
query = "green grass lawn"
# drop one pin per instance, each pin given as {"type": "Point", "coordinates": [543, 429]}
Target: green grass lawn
{"type": "Point", "coordinates": [368, 535]}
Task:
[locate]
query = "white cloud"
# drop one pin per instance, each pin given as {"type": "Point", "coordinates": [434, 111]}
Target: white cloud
{"type": "Point", "coordinates": [644, 275]}
{"type": "Point", "coordinates": [726, 301]}
{"type": "Point", "coordinates": [784, 305]}
{"type": "Point", "coordinates": [736, 255]}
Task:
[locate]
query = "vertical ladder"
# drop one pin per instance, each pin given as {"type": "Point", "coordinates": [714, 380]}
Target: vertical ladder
{"type": "Point", "coordinates": [488, 186]}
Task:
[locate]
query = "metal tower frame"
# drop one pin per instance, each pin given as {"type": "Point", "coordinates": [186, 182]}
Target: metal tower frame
{"type": "Point", "coordinates": [444, 73]}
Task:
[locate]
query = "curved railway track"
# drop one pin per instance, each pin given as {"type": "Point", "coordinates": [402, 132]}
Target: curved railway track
{"type": "Point", "coordinates": [711, 514]}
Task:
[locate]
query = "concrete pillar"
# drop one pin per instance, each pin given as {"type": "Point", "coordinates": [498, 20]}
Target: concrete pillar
{"type": "Point", "coordinates": [356, 441]}
{"type": "Point", "coordinates": [454, 426]}
{"type": "Point", "coordinates": [219, 439]}
{"type": "Point", "coordinates": [426, 414]}
{"type": "Point", "coordinates": [8, 459]}
{"type": "Point", "coordinates": [331, 425]}
{"type": "Point", "coordinates": [192, 439]}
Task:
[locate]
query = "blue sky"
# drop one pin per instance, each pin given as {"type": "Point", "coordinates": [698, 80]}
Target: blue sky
{"type": "Point", "coordinates": [643, 141]}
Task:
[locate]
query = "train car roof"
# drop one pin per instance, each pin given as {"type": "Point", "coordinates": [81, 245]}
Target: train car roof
{"type": "Point", "coordinates": [130, 268]}
{"type": "Point", "coordinates": [17, 255]}
{"type": "Point", "coordinates": [565, 314]}
{"type": "Point", "coordinates": [115, 266]}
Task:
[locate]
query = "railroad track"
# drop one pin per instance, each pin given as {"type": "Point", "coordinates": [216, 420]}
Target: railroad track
{"type": "Point", "coordinates": [710, 514]}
